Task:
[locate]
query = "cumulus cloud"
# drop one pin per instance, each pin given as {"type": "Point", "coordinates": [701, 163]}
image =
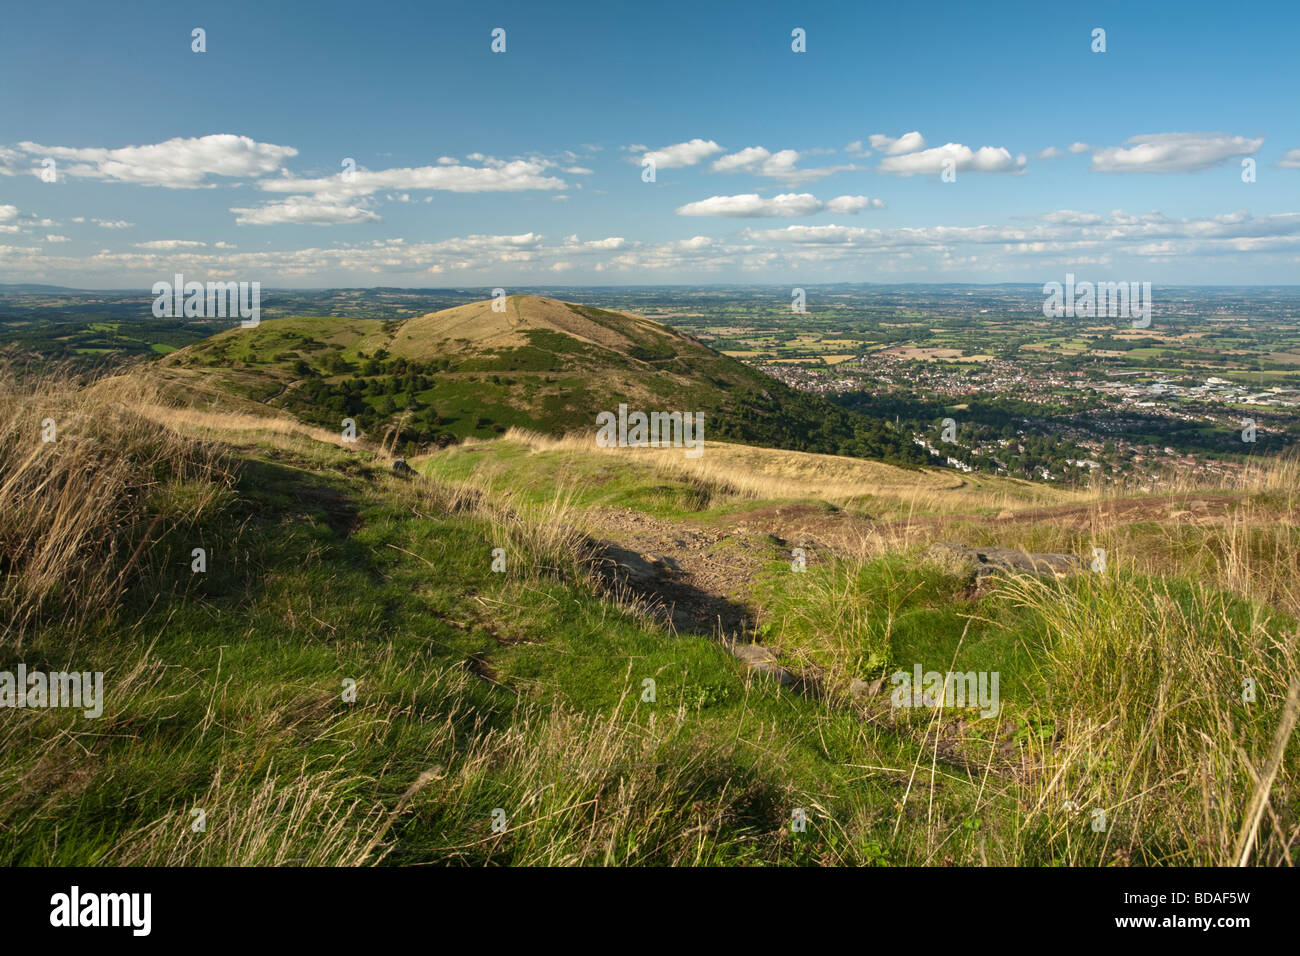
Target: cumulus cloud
{"type": "Point", "coordinates": [907, 143]}
{"type": "Point", "coordinates": [856, 148]}
{"type": "Point", "coordinates": [753, 159]}
{"type": "Point", "coordinates": [493, 175]}
{"type": "Point", "coordinates": [1072, 218]}
{"type": "Point", "coordinates": [1077, 148]}
{"type": "Point", "coordinates": [13, 220]}
{"type": "Point", "coordinates": [986, 159]}
{"type": "Point", "coordinates": [680, 154]}
{"type": "Point", "coordinates": [178, 163]}
{"type": "Point", "coordinates": [788, 205]}
{"type": "Point", "coordinates": [1064, 232]}
{"type": "Point", "coordinates": [53, 238]}
{"type": "Point", "coordinates": [112, 223]}
{"type": "Point", "coordinates": [10, 160]}
{"type": "Point", "coordinates": [1052, 241]}
{"type": "Point", "coordinates": [170, 244]}
{"type": "Point", "coordinates": [303, 210]}
{"type": "Point", "coordinates": [1290, 159]}
{"type": "Point", "coordinates": [609, 244]}
{"type": "Point", "coordinates": [1173, 153]}
{"type": "Point", "coordinates": [1050, 153]}
{"type": "Point", "coordinates": [782, 165]}
{"type": "Point", "coordinates": [852, 204]}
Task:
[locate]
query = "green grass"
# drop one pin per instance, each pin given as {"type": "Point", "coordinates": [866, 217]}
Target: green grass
{"type": "Point", "coordinates": [592, 481]}
{"type": "Point", "coordinates": [522, 691]}
{"type": "Point", "coordinates": [227, 697]}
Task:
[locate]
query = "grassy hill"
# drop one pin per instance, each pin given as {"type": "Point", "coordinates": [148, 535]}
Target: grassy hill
{"type": "Point", "coordinates": [354, 679]}
{"type": "Point", "coordinates": [540, 364]}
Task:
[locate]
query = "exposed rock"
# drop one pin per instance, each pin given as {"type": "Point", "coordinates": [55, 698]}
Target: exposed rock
{"type": "Point", "coordinates": [400, 467]}
{"type": "Point", "coordinates": [977, 562]}
{"type": "Point", "coordinates": [860, 689]}
{"type": "Point", "coordinates": [763, 660]}
{"type": "Point", "coordinates": [639, 570]}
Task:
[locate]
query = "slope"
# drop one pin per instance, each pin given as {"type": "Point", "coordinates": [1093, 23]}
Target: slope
{"type": "Point", "coordinates": [540, 363]}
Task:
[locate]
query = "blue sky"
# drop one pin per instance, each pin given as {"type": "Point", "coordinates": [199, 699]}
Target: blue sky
{"type": "Point", "coordinates": [525, 167]}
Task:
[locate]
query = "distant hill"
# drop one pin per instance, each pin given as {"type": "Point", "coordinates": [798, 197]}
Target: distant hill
{"type": "Point", "coordinates": [540, 364]}
{"type": "Point", "coordinates": [28, 288]}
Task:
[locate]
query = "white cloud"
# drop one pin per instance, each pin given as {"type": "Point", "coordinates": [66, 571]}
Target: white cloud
{"type": "Point", "coordinates": [780, 165]}
{"type": "Point", "coordinates": [303, 210]}
{"type": "Point", "coordinates": [856, 148]}
{"type": "Point", "coordinates": [610, 244]}
{"type": "Point", "coordinates": [852, 204]}
{"type": "Point", "coordinates": [177, 163]}
{"type": "Point", "coordinates": [57, 239]}
{"type": "Point", "coordinates": [1290, 159]}
{"type": "Point", "coordinates": [751, 160]}
{"type": "Point", "coordinates": [813, 234]}
{"type": "Point", "coordinates": [681, 154]}
{"type": "Point", "coordinates": [1050, 244]}
{"type": "Point", "coordinates": [12, 220]}
{"type": "Point", "coordinates": [492, 176]}
{"type": "Point", "coordinates": [1172, 153]}
{"type": "Point", "coordinates": [1072, 218]}
{"type": "Point", "coordinates": [761, 162]}
{"type": "Point", "coordinates": [1064, 232]}
{"type": "Point", "coordinates": [788, 205]}
{"type": "Point", "coordinates": [1077, 148]}
{"type": "Point", "coordinates": [112, 223]}
{"type": "Point", "coordinates": [9, 161]}
{"type": "Point", "coordinates": [907, 143]}
{"type": "Point", "coordinates": [170, 244]}
{"type": "Point", "coordinates": [1050, 153]}
{"type": "Point", "coordinates": [986, 159]}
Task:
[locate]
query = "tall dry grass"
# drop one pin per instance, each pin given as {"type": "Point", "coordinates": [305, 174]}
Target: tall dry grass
{"type": "Point", "coordinates": [77, 513]}
{"type": "Point", "coordinates": [751, 473]}
{"type": "Point", "coordinates": [1150, 689]}
{"type": "Point", "coordinates": [598, 789]}
{"type": "Point", "coordinates": [610, 788]}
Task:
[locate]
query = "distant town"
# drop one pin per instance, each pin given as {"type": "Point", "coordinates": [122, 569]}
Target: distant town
{"type": "Point", "coordinates": [1212, 382]}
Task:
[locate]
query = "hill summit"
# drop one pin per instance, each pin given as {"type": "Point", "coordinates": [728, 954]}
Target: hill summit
{"type": "Point", "coordinates": [522, 361]}
{"type": "Point", "coordinates": [503, 324]}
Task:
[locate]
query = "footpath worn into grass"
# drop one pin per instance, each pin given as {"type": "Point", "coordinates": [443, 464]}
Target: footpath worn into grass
{"type": "Point", "coordinates": [351, 682]}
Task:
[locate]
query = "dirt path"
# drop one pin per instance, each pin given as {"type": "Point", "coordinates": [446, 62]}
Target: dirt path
{"type": "Point", "coordinates": [703, 571]}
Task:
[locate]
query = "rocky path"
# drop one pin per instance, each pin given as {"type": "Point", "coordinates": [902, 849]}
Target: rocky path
{"type": "Point", "coordinates": [701, 573]}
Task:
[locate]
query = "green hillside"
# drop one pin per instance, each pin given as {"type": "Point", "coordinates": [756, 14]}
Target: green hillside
{"type": "Point", "coordinates": [351, 677]}
{"type": "Point", "coordinates": [541, 364]}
